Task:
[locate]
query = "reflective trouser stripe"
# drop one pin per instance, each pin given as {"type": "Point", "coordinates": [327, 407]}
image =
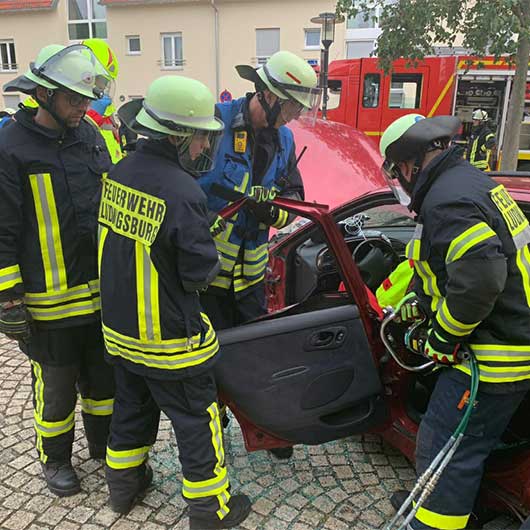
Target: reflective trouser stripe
{"type": "Point", "coordinates": [9, 277]}
{"type": "Point", "coordinates": [430, 284]}
{"type": "Point", "coordinates": [49, 231]}
{"type": "Point", "coordinates": [205, 488]}
{"type": "Point", "coordinates": [127, 459]}
{"type": "Point", "coordinates": [97, 407]}
{"type": "Point", "coordinates": [467, 240]}
{"type": "Point", "coordinates": [451, 324]}
{"type": "Point", "coordinates": [147, 295]}
{"type": "Point", "coordinates": [440, 521]}
{"type": "Point", "coordinates": [39, 405]}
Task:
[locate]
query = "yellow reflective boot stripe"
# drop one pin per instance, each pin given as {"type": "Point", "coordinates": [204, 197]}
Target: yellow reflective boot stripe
{"type": "Point", "coordinates": [49, 429]}
{"type": "Point", "coordinates": [440, 521]}
{"type": "Point", "coordinates": [451, 324]}
{"type": "Point", "coordinates": [96, 407]}
{"type": "Point", "coordinates": [127, 459]}
{"type": "Point", "coordinates": [283, 217]}
{"type": "Point", "coordinates": [223, 499]}
{"type": "Point", "coordinates": [430, 285]}
{"type": "Point", "coordinates": [39, 405]}
{"type": "Point", "coordinates": [467, 240]}
{"type": "Point", "coordinates": [103, 232]}
{"type": "Point", "coordinates": [147, 295]}
{"type": "Point", "coordinates": [205, 488]}
{"type": "Point", "coordinates": [523, 264]}
{"type": "Point", "coordinates": [9, 277]}
{"type": "Point", "coordinates": [49, 234]}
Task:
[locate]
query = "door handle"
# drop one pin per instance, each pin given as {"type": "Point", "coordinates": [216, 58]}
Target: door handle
{"type": "Point", "coordinates": [322, 338]}
{"type": "Point", "coordinates": [328, 338]}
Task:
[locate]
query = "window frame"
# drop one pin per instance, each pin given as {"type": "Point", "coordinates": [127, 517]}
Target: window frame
{"type": "Point", "coordinates": [12, 66]}
{"type": "Point", "coordinates": [89, 21]}
{"type": "Point", "coordinates": [128, 39]}
{"type": "Point", "coordinates": [412, 78]}
{"type": "Point", "coordinates": [364, 99]}
{"type": "Point", "coordinates": [312, 46]}
{"type": "Point", "coordinates": [172, 35]}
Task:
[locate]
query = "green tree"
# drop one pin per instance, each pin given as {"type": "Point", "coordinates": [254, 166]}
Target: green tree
{"type": "Point", "coordinates": [410, 28]}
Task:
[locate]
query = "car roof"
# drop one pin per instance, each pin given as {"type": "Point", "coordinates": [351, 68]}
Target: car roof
{"type": "Point", "coordinates": [340, 165]}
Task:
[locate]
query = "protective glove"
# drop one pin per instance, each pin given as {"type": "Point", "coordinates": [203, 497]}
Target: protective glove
{"type": "Point", "coordinates": [217, 226]}
{"type": "Point", "coordinates": [15, 320]}
{"type": "Point", "coordinates": [439, 350]}
{"type": "Point", "coordinates": [410, 311]}
{"type": "Point", "coordinates": [262, 194]}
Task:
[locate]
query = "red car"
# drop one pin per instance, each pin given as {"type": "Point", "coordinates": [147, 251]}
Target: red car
{"type": "Point", "coordinates": [315, 368]}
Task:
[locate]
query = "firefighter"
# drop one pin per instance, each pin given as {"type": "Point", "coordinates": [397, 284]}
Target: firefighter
{"type": "Point", "coordinates": [156, 254]}
{"type": "Point", "coordinates": [256, 158]}
{"type": "Point", "coordinates": [6, 116]}
{"type": "Point", "coordinates": [101, 111]}
{"type": "Point", "coordinates": [51, 166]}
{"type": "Point", "coordinates": [481, 141]}
{"type": "Point", "coordinates": [472, 265]}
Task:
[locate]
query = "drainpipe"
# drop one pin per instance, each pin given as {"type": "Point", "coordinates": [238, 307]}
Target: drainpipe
{"type": "Point", "coordinates": [216, 39]}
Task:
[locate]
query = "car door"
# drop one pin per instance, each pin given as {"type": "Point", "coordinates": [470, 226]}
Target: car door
{"type": "Point", "coordinates": [305, 374]}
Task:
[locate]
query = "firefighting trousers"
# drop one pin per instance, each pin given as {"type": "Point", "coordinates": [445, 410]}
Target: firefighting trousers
{"type": "Point", "coordinates": [191, 405]}
{"type": "Point", "coordinates": [64, 363]}
{"type": "Point", "coordinates": [225, 311]}
{"type": "Point", "coordinates": [450, 504]}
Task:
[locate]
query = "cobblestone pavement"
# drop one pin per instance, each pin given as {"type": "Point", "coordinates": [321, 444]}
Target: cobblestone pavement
{"type": "Point", "coordinates": [344, 485]}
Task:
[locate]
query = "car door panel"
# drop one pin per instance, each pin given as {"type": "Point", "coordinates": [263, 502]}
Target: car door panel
{"type": "Point", "coordinates": [305, 378]}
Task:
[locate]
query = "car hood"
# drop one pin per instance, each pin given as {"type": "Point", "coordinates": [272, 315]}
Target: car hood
{"type": "Point", "coordinates": [340, 165]}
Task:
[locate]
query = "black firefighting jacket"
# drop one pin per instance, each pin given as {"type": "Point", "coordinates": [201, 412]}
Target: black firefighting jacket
{"type": "Point", "coordinates": [156, 253]}
{"type": "Point", "coordinates": [48, 219]}
{"type": "Point", "coordinates": [481, 142]}
{"type": "Point", "coordinates": [472, 261]}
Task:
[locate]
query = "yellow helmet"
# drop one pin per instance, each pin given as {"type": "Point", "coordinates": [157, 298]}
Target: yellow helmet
{"type": "Point", "coordinates": [104, 54]}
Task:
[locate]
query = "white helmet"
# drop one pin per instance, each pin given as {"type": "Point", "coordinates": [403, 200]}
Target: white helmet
{"type": "Point", "coordinates": [480, 115]}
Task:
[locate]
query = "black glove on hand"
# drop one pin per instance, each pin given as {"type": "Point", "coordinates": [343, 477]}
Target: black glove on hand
{"type": "Point", "coordinates": [217, 223]}
{"type": "Point", "coordinates": [15, 321]}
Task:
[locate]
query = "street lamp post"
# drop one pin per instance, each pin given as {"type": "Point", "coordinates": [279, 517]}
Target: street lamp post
{"type": "Point", "coordinates": [327, 21]}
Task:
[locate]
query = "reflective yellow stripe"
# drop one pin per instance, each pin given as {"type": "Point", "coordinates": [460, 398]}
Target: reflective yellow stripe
{"type": "Point", "coordinates": [523, 264]}
{"type": "Point", "coordinates": [225, 247]}
{"type": "Point", "coordinates": [147, 295]}
{"type": "Point", "coordinates": [217, 437]}
{"type": "Point", "coordinates": [223, 499]}
{"type": "Point", "coordinates": [413, 248]}
{"type": "Point", "coordinates": [50, 429]}
{"type": "Point", "coordinates": [127, 459]}
{"type": "Point", "coordinates": [103, 232]}
{"type": "Point", "coordinates": [222, 282]}
{"type": "Point", "coordinates": [205, 488]}
{"type": "Point", "coordinates": [49, 232]}
{"type": "Point", "coordinates": [451, 324]}
{"type": "Point", "coordinates": [473, 153]}
{"type": "Point", "coordinates": [97, 407]}
{"type": "Point", "coordinates": [440, 521]}
{"type": "Point", "coordinates": [430, 285]}
{"type": "Point", "coordinates": [468, 239]}
{"type": "Point", "coordinates": [9, 277]}
{"type": "Point", "coordinates": [283, 217]}
{"type": "Point", "coordinates": [240, 284]}
{"type": "Point", "coordinates": [54, 298]}
{"type": "Point", "coordinates": [39, 406]}
{"type": "Point", "coordinates": [257, 254]}
{"type": "Point", "coordinates": [75, 309]}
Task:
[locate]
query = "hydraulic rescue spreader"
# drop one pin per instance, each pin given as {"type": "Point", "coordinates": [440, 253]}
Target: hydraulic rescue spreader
{"type": "Point", "coordinates": [415, 339]}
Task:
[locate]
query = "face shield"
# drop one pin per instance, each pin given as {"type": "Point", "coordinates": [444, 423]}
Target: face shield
{"type": "Point", "coordinates": [76, 69]}
{"type": "Point", "coordinates": [198, 151]}
{"type": "Point", "coordinates": [394, 177]}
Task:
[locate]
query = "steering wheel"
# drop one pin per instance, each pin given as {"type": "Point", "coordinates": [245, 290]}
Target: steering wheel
{"type": "Point", "coordinates": [376, 259]}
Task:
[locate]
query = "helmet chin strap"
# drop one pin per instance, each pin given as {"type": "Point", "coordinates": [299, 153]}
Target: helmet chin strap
{"type": "Point", "coordinates": [49, 106]}
{"type": "Point", "coordinates": [271, 113]}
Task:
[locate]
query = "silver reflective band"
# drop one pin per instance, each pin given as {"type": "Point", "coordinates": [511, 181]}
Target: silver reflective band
{"type": "Point", "coordinates": [522, 239]}
{"type": "Point", "coordinates": [193, 490]}
{"type": "Point", "coordinates": [472, 236]}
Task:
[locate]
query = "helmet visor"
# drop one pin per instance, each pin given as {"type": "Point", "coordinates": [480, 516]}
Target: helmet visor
{"type": "Point", "coordinates": [77, 69]}
{"type": "Point", "coordinates": [198, 151]}
{"type": "Point", "coordinates": [392, 175]}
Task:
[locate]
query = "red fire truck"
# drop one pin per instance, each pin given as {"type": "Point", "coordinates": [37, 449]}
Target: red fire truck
{"type": "Point", "coordinates": [362, 96]}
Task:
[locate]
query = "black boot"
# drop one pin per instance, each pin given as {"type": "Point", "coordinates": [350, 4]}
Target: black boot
{"type": "Point", "coordinates": [123, 504]}
{"type": "Point", "coordinates": [398, 498]}
{"type": "Point", "coordinates": [282, 453]}
{"type": "Point", "coordinates": [97, 451]}
{"type": "Point", "coordinates": [61, 478]}
{"type": "Point", "coordinates": [239, 509]}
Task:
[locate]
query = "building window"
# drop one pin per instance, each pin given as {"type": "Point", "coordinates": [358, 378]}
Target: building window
{"type": "Point", "coordinates": [405, 91]}
{"type": "Point", "coordinates": [11, 101]}
{"type": "Point", "coordinates": [312, 39]}
{"type": "Point", "coordinates": [363, 20]}
{"type": "Point", "coordinates": [372, 83]}
{"type": "Point", "coordinates": [8, 58]}
{"type": "Point", "coordinates": [172, 57]}
{"type": "Point", "coordinates": [133, 45]}
{"type": "Point", "coordinates": [267, 43]}
{"type": "Point", "coordinates": [359, 48]}
{"type": "Point", "coordinates": [86, 19]}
